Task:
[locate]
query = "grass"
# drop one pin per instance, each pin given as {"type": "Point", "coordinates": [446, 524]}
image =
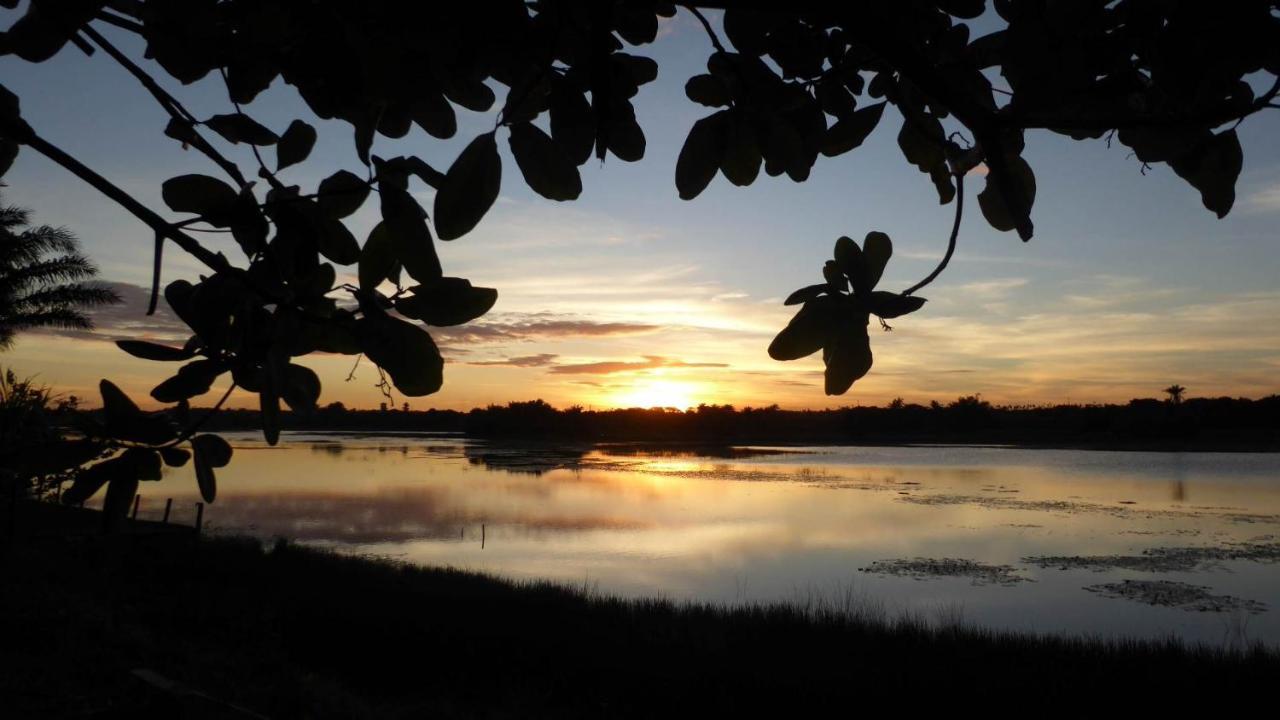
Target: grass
{"type": "Point", "coordinates": [292, 632]}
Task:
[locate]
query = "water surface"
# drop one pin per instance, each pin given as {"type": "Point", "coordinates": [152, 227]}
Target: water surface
{"type": "Point", "coordinates": [1039, 540]}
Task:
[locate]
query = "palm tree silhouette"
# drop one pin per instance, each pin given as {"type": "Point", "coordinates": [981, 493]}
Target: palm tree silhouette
{"type": "Point", "coordinates": [42, 276]}
{"type": "Point", "coordinates": [1175, 393]}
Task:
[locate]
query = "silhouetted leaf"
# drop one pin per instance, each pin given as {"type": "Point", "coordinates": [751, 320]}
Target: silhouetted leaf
{"type": "Point", "coordinates": [850, 259]}
{"type": "Point", "coordinates": [240, 128]}
{"type": "Point", "coordinates": [378, 257]}
{"type": "Point", "coordinates": [741, 162]}
{"type": "Point", "coordinates": [807, 332]}
{"type": "Point", "coordinates": [805, 294]}
{"type": "Point", "coordinates": [404, 351]}
{"type": "Point", "coordinates": [847, 357]}
{"type": "Point", "coordinates": [145, 462]}
{"type": "Point", "coordinates": [835, 277]}
{"type": "Point", "coordinates": [152, 351]}
{"type": "Point", "coordinates": [209, 452]}
{"type": "Point", "coordinates": [8, 153]}
{"type": "Point", "coordinates": [701, 155]}
{"type": "Point", "coordinates": [404, 220]}
{"type": "Point", "coordinates": [708, 90]}
{"type": "Point", "coordinates": [992, 202]}
{"type": "Point", "coordinates": [301, 388]}
{"type": "Point", "coordinates": [175, 456]}
{"type": "Point", "coordinates": [201, 195]}
{"type": "Point", "coordinates": [119, 499]}
{"type": "Point", "coordinates": [295, 145]}
{"type": "Point", "coordinates": [88, 481]}
{"type": "Point", "coordinates": [877, 248]}
{"type": "Point", "coordinates": [889, 305]}
{"type": "Point", "coordinates": [1212, 168]}
{"type": "Point", "coordinates": [193, 379]}
{"type": "Point", "coordinates": [921, 140]}
{"type": "Point", "coordinates": [572, 125]}
{"type": "Point", "coordinates": [850, 132]}
{"type": "Point", "coordinates": [447, 301]}
{"type": "Point", "coordinates": [341, 194]}
{"type": "Point", "coordinates": [547, 168]}
{"type": "Point", "coordinates": [435, 115]}
{"type": "Point", "coordinates": [469, 188]}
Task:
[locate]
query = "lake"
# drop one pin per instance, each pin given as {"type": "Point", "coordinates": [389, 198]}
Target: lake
{"type": "Point", "coordinates": [1100, 543]}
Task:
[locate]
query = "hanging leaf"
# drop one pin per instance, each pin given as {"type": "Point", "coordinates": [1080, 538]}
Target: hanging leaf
{"type": "Point", "coordinates": [192, 380]}
{"type": "Point", "coordinates": [124, 421]}
{"type": "Point", "coordinates": [889, 305]}
{"type": "Point", "coordinates": [701, 155]}
{"type": "Point", "coordinates": [805, 294]}
{"type": "Point", "coordinates": [1212, 168]}
{"type": "Point", "coordinates": [469, 189]}
{"type": "Point", "coordinates": [90, 480]}
{"type": "Point", "coordinates": [377, 257]}
{"type": "Point", "coordinates": [447, 301]}
{"type": "Point", "coordinates": [341, 194]}
{"type": "Point", "coordinates": [175, 456]}
{"type": "Point", "coordinates": [240, 128]}
{"type": "Point", "coordinates": [847, 357]}
{"type": "Point", "coordinates": [8, 153]}
{"type": "Point", "coordinates": [301, 388]}
{"type": "Point", "coordinates": [435, 115]}
{"type": "Point", "coordinates": [807, 332]}
{"type": "Point", "coordinates": [547, 168]}
{"type": "Point", "coordinates": [877, 248]}
{"type": "Point", "coordinates": [152, 351]}
{"type": "Point", "coordinates": [850, 260]}
{"type": "Point", "coordinates": [708, 90]}
{"type": "Point", "coordinates": [145, 462]}
{"type": "Point", "coordinates": [850, 132]}
{"type": "Point", "coordinates": [405, 221]}
{"type": "Point", "coordinates": [295, 145]}
{"type": "Point", "coordinates": [406, 352]}
{"type": "Point", "coordinates": [209, 452]}
{"type": "Point", "coordinates": [741, 161]}
{"type": "Point", "coordinates": [208, 197]}
{"type": "Point", "coordinates": [572, 124]}
{"type": "Point", "coordinates": [992, 201]}
{"type": "Point", "coordinates": [119, 499]}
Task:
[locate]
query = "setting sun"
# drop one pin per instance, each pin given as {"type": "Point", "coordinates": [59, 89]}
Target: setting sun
{"type": "Point", "coordinates": [660, 393]}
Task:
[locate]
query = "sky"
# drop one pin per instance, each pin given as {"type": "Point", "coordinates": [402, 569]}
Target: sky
{"type": "Point", "coordinates": [630, 296]}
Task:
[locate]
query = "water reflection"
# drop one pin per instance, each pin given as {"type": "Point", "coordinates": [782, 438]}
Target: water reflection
{"type": "Point", "coordinates": [767, 524]}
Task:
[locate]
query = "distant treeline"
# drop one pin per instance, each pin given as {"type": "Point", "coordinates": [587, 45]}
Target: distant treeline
{"type": "Point", "coordinates": [1200, 423]}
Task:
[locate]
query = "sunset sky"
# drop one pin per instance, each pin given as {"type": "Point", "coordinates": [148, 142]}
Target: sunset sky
{"type": "Point", "coordinates": [631, 297]}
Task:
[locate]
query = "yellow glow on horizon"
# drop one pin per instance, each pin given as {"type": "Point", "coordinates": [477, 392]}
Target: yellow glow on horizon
{"type": "Point", "coordinates": [664, 393]}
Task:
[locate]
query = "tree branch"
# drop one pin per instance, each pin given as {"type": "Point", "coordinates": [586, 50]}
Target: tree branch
{"type": "Point", "coordinates": [951, 244]}
{"type": "Point", "coordinates": [170, 105]}
{"type": "Point", "coordinates": [711, 33]}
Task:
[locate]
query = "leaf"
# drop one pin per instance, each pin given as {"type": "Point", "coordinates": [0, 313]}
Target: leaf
{"type": "Point", "coordinates": [889, 305]}
{"type": "Point", "coordinates": [1212, 168]}
{"type": "Point", "coordinates": [850, 260]}
{"type": "Point", "coordinates": [377, 257]}
{"type": "Point", "coordinates": [145, 462]}
{"type": "Point", "coordinates": [547, 168]}
{"type": "Point", "coordinates": [433, 113]}
{"type": "Point", "coordinates": [848, 358]}
{"type": "Point", "coordinates": [701, 155]}
{"type": "Point", "coordinates": [117, 406]}
{"type": "Point", "coordinates": [850, 132]}
{"type": "Point", "coordinates": [741, 162]}
{"type": "Point", "coordinates": [192, 380]}
{"type": "Point", "coordinates": [572, 123]}
{"type": "Point", "coordinates": [469, 189]}
{"type": "Point", "coordinates": [406, 352]}
{"type": "Point", "coordinates": [240, 128]}
{"type": "Point", "coordinates": [992, 202]}
{"type": "Point", "coordinates": [807, 332]}
{"type": "Point", "coordinates": [209, 452]}
{"type": "Point", "coordinates": [90, 480]}
{"type": "Point", "coordinates": [341, 194]}
{"type": "Point", "coordinates": [404, 220]}
{"type": "Point", "coordinates": [447, 301]}
{"type": "Point", "coordinates": [805, 294]}
{"type": "Point", "coordinates": [152, 351]}
{"type": "Point", "coordinates": [626, 138]}
{"type": "Point", "coordinates": [201, 195]}
{"type": "Point", "coordinates": [921, 140]}
{"type": "Point", "coordinates": [120, 492]}
{"type": "Point", "coordinates": [877, 248]}
{"type": "Point", "coordinates": [334, 240]}
{"type": "Point", "coordinates": [174, 456]}
{"type": "Point", "coordinates": [8, 153]}
{"type": "Point", "coordinates": [301, 388]}
{"type": "Point", "coordinates": [269, 399]}
{"type": "Point", "coordinates": [836, 280]}
{"type": "Point", "coordinates": [295, 145]}
{"type": "Point", "coordinates": [708, 90]}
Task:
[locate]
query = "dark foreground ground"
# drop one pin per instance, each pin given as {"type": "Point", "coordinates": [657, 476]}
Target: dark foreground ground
{"type": "Point", "coordinates": [289, 632]}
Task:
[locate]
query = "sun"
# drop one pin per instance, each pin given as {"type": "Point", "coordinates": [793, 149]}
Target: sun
{"type": "Point", "coordinates": [658, 393]}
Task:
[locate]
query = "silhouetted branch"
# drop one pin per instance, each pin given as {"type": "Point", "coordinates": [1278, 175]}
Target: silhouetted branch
{"type": "Point", "coordinates": [186, 434]}
{"type": "Point", "coordinates": [711, 33]}
{"type": "Point", "coordinates": [951, 244]}
{"type": "Point", "coordinates": [170, 104]}
{"type": "Point", "coordinates": [263, 172]}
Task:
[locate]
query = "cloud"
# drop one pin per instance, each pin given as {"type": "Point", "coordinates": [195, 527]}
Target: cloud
{"type": "Point", "coordinates": [523, 361]}
{"type": "Point", "coordinates": [536, 326]}
{"type": "Point", "coordinates": [650, 362]}
{"type": "Point", "coordinates": [1266, 200]}
{"type": "Point", "coordinates": [128, 319]}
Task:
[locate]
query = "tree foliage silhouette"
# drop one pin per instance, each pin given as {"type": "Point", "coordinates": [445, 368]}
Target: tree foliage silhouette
{"type": "Point", "coordinates": [795, 81]}
{"type": "Point", "coordinates": [1175, 393]}
{"type": "Point", "coordinates": [42, 278]}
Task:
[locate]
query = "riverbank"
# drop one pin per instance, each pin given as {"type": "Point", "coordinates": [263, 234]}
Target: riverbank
{"type": "Point", "coordinates": [130, 626]}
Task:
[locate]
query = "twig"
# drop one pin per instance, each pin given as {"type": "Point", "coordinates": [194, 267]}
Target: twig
{"type": "Point", "coordinates": [263, 173]}
{"type": "Point", "coordinates": [951, 244]}
{"type": "Point", "coordinates": [711, 33]}
{"type": "Point", "coordinates": [186, 434]}
{"type": "Point", "coordinates": [155, 275]}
